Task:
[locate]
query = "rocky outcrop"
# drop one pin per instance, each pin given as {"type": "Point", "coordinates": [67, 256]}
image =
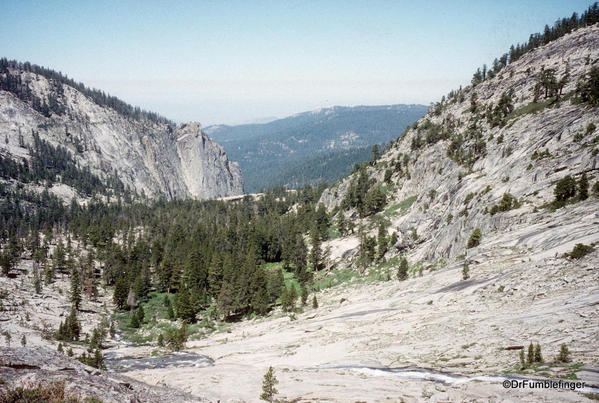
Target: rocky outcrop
{"type": "Point", "coordinates": [449, 170]}
{"type": "Point", "coordinates": [39, 367]}
{"type": "Point", "coordinates": [150, 156]}
{"type": "Point", "coordinates": [199, 155]}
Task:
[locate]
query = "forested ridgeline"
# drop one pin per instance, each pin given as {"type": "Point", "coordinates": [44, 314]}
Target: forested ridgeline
{"type": "Point", "coordinates": [11, 81]}
{"type": "Point", "coordinates": [560, 28]}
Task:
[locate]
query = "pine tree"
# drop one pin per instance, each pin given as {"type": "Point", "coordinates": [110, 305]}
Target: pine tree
{"type": "Point", "coordinates": [474, 239]}
{"type": "Point", "coordinates": [75, 288]}
{"type": "Point", "coordinates": [72, 328]}
{"type": "Point", "coordinates": [23, 341]}
{"type": "Point", "coordinates": [276, 283]}
{"type": "Point", "coordinates": [522, 359]}
{"type": "Point", "coordinates": [292, 295]}
{"type": "Point", "coordinates": [314, 302]}
{"type": "Point", "coordinates": [304, 295]}
{"type": "Point", "coordinates": [564, 354]}
{"type": "Point", "coordinates": [269, 386]}
{"type": "Point", "coordinates": [402, 271]}
{"type": "Point", "coordinates": [58, 258]}
{"type": "Point", "coordinates": [465, 271]}
{"type": "Point", "coordinates": [285, 299]}
{"type": "Point", "coordinates": [226, 299]}
{"type": "Point", "coordinates": [121, 291]}
{"type": "Point", "coordinates": [260, 301]}
{"type": "Point", "coordinates": [316, 251]}
{"type": "Point", "coordinates": [134, 321]}
{"type": "Point", "coordinates": [531, 354]}
{"type": "Point", "coordinates": [170, 314]}
{"type": "Point", "coordinates": [299, 256]}
{"type": "Point", "coordinates": [538, 356]}
{"type": "Point", "coordinates": [382, 242]}
{"type": "Point", "coordinates": [341, 223]}
{"type": "Point", "coordinates": [215, 275]}
{"type": "Point", "coordinates": [185, 309]}
{"type": "Point", "coordinates": [98, 360]}
{"type": "Point", "coordinates": [140, 314]}
{"type": "Point", "coordinates": [583, 187]}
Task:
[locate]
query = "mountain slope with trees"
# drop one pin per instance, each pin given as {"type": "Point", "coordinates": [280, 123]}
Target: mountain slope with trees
{"type": "Point", "coordinates": [515, 147]}
{"type": "Point", "coordinates": [264, 151]}
{"type": "Point", "coordinates": [108, 137]}
{"type": "Point", "coordinates": [465, 252]}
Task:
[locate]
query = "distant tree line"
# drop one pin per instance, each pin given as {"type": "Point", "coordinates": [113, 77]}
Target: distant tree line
{"type": "Point", "coordinates": [560, 28]}
{"type": "Point", "coordinates": [11, 81]}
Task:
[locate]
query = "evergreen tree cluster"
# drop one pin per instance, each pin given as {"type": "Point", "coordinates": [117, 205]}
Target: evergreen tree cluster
{"type": "Point", "coordinates": [560, 28]}
{"type": "Point", "coordinates": [587, 88]}
{"type": "Point", "coordinates": [569, 189]}
{"type": "Point", "coordinates": [69, 329]}
{"type": "Point", "coordinates": [508, 202]}
{"type": "Point", "coordinates": [55, 164]}
{"type": "Point", "coordinates": [203, 253]}
{"type": "Point", "coordinates": [364, 194]}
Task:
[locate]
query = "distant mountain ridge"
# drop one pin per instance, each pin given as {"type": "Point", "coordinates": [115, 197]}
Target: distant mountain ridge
{"type": "Point", "coordinates": [148, 153]}
{"type": "Point", "coordinates": [265, 151]}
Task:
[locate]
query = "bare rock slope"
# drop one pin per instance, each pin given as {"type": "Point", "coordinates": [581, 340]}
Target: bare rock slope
{"type": "Point", "coordinates": [35, 367]}
{"type": "Point", "coordinates": [152, 156]}
{"type": "Point", "coordinates": [467, 155]}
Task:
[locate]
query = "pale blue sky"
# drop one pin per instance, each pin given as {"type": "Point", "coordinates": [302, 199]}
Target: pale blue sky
{"type": "Point", "coordinates": [235, 61]}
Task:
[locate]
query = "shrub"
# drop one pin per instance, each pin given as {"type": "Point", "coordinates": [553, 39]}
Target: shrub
{"type": "Point", "coordinates": [38, 393]}
{"type": "Point", "coordinates": [388, 174]}
{"type": "Point", "coordinates": [579, 251]}
{"type": "Point", "coordinates": [539, 155]}
{"type": "Point", "coordinates": [176, 338]}
{"type": "Point", "coordinates": [508, 202]}
{"type": "Point", "coordinates": [564, 189]}
{"type": "Point", "coordinates": [474, 239]}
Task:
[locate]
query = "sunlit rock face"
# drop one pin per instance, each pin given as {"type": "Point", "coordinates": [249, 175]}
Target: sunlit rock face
{"type": "Point", "coordinates": [156, 158]}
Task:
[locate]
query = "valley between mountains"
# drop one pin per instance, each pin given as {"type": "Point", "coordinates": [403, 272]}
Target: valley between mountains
{"type": "Point", "coordinates": [462, 255]}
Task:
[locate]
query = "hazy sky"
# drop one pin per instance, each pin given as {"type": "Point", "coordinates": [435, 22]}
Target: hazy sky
{"type": "Point", "coordinates": [236, 61]}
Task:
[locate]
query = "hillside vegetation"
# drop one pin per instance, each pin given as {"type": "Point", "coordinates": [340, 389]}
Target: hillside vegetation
{"type": "Point", "coordinates": [280, 152]}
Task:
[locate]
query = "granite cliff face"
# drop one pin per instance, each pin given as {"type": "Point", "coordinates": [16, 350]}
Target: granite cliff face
{"type": "Point", "coordinates": [448, 171]}
{"type": "Point", "coordinates": [155, 157]}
